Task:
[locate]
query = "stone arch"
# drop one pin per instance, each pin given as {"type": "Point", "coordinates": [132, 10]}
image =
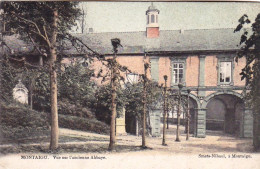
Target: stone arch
{"type": "Point", "coordinates": [207, 98]}
{"type": "Point", "coordinates": [223, 113]}
{"type": "Point", "coordinates": [194, 106]}
{"type": "Point", "coordinates": [194, 97]}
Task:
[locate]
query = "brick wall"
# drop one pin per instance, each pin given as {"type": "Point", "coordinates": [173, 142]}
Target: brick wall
{"type": "Point", "coordinates": [192, 71]}
{"type": "Point", "coordinates": [152, 32]}
{"type": "Point", "coordinates": [238, 66]}
{"type": "Point", "coordinates": [164, 69]}
{"type": "Point", "coordinates": [211, 73]}
{"type": "Point", "coordinates": [136, 65]}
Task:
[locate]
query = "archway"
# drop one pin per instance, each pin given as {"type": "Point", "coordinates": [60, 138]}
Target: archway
{"type": "Point", "coordinates": [224, 113]}
{"type": "Point", "coordinates": [193, 106]}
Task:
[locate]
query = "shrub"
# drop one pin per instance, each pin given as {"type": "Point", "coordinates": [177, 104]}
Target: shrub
{"type": "Point", "coordinates": [18, 121]}
{"type": "Point", "coordinates": [84, 124]}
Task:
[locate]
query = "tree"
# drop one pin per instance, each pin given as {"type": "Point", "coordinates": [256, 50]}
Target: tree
{"type": "Point", "coordinates": [114, 83]}
{"type": "Point", "coordinates": [45, 25]}
{"type": "Point", "coordinates": [251, 72]}
{"type": "Point", "coordinates": [146, 66]}
{"type": "Point", "coordinates": [164, 110]}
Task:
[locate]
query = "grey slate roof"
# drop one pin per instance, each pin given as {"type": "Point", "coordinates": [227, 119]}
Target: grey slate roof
{"type": "Point", "coordinates": [172, 40]}
{"type": "Point", "coordinates": [168, 41]}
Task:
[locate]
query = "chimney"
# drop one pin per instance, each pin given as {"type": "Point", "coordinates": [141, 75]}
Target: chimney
{"type": "Point", "coordinates": [152, 27]}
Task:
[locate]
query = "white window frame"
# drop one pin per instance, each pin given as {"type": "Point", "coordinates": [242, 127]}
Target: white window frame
{"type": "Point", "coordinates": [178, 60]}
{"type": "Point", "coordinates": [225, 59]}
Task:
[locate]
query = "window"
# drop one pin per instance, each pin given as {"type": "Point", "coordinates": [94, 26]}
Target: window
{"type": "Point", "coordinates": [178, 73]}
{"type": "Point", "coordinates": [131, 78]}
{"type": "Point", "coordinates": [225, 72]}
{"type": "Point", "coordinates": [152, 18]}
{"type": "Point", "coordinates": [225, 69]}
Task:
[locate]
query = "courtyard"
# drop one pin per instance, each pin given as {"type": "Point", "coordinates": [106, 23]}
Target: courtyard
{"type": "Point", "coordinates": [213, 151]}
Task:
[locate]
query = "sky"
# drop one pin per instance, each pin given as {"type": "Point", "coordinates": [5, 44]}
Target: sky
{"type": "Point", "coordinates": [130, 16]}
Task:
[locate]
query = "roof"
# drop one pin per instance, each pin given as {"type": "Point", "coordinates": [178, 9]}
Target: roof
{"type": "Point", "coordinates": [168, 41]}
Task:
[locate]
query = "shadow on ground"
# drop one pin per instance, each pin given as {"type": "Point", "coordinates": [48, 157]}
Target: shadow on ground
{"type": "Point", "coordinates": [69, 148]}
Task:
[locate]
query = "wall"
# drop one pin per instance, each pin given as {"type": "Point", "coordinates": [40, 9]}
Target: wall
{"type": "Point", "coordinates": [164, 69]}
{"type": "Point", "coordinates": [237, 70]}
{"type": "Point", "coordinates": [192, 71]}
{"type": "Point", "coordinates": [211, 73]}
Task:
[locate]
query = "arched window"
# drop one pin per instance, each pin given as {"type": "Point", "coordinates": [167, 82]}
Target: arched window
{"type": "Point", "coordinates": [147, 19]}
{"type": "Point", "coordinates": [152, 19]}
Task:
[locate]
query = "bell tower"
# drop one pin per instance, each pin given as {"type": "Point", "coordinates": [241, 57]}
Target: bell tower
{"type": "Point", "coordinates": [152, 27]}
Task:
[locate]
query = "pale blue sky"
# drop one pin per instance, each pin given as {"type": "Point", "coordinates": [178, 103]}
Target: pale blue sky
{"type": "Point", "coordinates": [130, 16]}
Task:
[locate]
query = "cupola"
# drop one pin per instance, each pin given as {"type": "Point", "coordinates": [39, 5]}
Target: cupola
{"type": "Point", "coordinates": [152, 27]}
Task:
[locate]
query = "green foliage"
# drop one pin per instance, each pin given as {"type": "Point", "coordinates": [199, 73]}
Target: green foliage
{"type": "Point", "coordinates": [83, 124]}
{"type": "Point", "coordinates": [250, 47]}
{"type": "Point", "coordinates": [134, 98]}
{"type": "Point", "coordinates": [33, 20]}
{"type": "Point", "coordinates": [18, 122]}
{"type": "Point", "coordinates": [75, 84]}
{"type": "Point", "coordinates": [251, 51]}
{"type": "Point", "coordinates": [251, 72]}
{"type": "Point", "coordinates": [102, 103]}
{"type": "Point", "coordinates": [9, 80]}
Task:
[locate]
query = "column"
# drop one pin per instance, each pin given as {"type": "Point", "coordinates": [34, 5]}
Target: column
{"type": "Point", "coordinates": [201, 123]}
{"type": "Point", "coordinates": [120, 124]}
{"type": "Point", "coordinates": [155, 121]}
{"type": "Point", "coordinates": [248, 123]}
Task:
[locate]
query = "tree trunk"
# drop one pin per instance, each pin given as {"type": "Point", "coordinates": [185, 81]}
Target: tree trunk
{"type": "Point", "coordinates": [256, 122]}
{"type": "Point", "coordinates": [144, 107]}
{"type": "Point", "coordinates": [53, 85]}
{"type": "Point", "coordinates": [178, 118]}
{"type": "Point", "coordinates": [167, 111]}
{"type": "Point", "coordinates": [31, 94]}
{"type": "Point", "coordinates": [164, 117]}
{"type": "Point", "coordinates": [113, 113]}
{"type": "Point", "coordinates": [188, 120]}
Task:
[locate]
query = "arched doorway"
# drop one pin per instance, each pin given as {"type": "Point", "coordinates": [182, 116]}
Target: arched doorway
{"type": "Point", "coordinates": [224, 113]}
{"type": "Point", "coordinates": [193, 106]}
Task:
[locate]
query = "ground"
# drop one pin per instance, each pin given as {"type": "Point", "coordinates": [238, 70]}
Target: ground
{"type": "Point", "coordinates": [76, 145]}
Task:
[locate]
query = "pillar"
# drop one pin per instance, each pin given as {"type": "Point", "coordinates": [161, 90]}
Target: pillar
{"type": "Point", "coordinates": [201, 123]}
{"type": "Point", "coordinates": [120, 124]}
{"type": "Point", "coordinates": [247, 130]}
{"type": "Point", "coordinates": [155, 121]}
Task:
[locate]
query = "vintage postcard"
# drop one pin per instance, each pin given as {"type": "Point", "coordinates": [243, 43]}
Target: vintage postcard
{"type": "Point", "coordinates": [103, 84]}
